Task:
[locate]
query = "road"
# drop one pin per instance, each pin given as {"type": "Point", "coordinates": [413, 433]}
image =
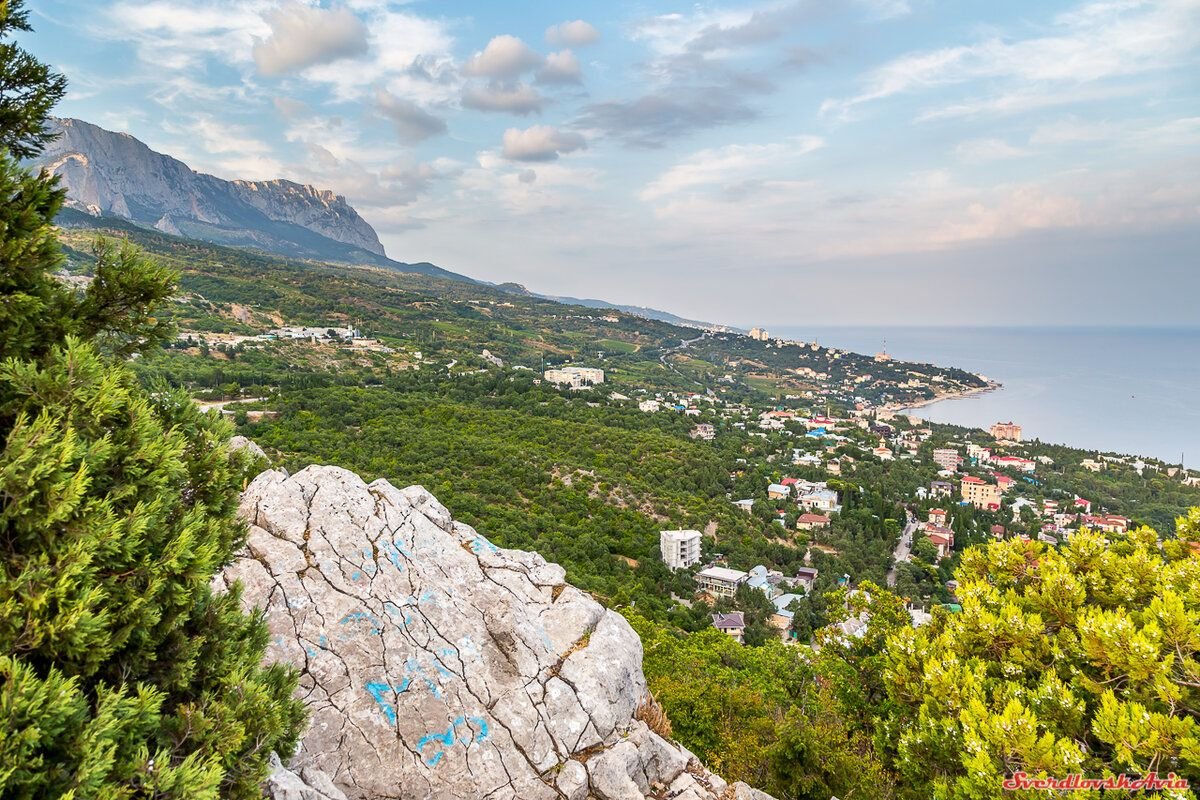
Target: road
{"type": "Point", "coordinates": [903, 548]}
{"type": "Point", "coordinates": [664, 358]}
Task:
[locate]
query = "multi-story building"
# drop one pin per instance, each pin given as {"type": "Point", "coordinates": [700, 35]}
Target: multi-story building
{"type": "Point", "coordinates": [1006, 431]}
{"type": "Point", "coordinates": [947, 458]}
{"type": "Point", "coordinates": [680, 549]}
{"type": "Point", "coordinates": [575, 377]}
{"type": "Point", "coordinates": [979, 493]}
{"type": "Point", "coordinates": [760, 334]}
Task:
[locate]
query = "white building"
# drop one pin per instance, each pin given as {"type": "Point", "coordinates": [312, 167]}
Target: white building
{"type": "Point", "coordinates": [720, 581]}
{"type": "Point", "coordinates": [680, 549]}
{"type": "Point", "coordinates": [575, 377]}
{"type": "Point", "coordinates": [820, 500]}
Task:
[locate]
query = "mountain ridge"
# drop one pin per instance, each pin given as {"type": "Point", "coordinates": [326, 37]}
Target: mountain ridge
{"type": "Point", "coordinates": [113, 175]}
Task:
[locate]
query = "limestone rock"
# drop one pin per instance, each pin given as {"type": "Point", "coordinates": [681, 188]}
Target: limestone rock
{"type": "Point", "coordinates": [437, 665]}
{"type": "Point", "coordinates": [249, 445]}
{"type": "Point", "coordinates": [108, 173]}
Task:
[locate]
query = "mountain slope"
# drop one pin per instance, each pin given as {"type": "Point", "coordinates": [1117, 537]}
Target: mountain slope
{"type": "Point", "coordinates": [109, 174]}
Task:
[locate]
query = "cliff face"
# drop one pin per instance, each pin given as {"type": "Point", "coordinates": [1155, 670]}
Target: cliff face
{"type": "Point", "coordinates": [436, 665]}
{"type": "Point", "coordinates": [115, 174]}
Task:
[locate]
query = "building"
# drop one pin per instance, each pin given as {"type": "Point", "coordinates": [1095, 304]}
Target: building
{"type": "Point", "coordinates": [1091, 465]}
{"type": "Point", "coordinates": [649, 406]}
{"type": "Point", "coordinates": [937, 516]}
{"type": "Point", "coordinates": [824, 500]}
{"type": "Point", "coordinates": [1006, 431]}
{"type": "Point", "coordinates": [809, 522]}
{"type": "Point", "coordinates": [315, 333]}
{"type": "Point", "coordinates": [806, 578]}
{"type": "Point", "coordinates": [760, 335]}
{"type": "Point", "coordinates": [1003, 481]}
{"type": "Point", "coordinates": [720, 581]}
{"type": "Point", "coordinates": [981, 455]}
{"type": "Point", "coordinates": [979, 493]}
{"type": "Point", "coordinates": [733, 624]}
{"type": "Point", "coordinates": [680, 549]}
{"type": "Point", "coordinates": [782, 618]}
{"type": "Point", "coordinates": [764, 580]}
{"type": "Point", "coordinates": [941, 538]}
{"type": "Point", "coordinates": [947, 458]}
{"type": "Point", "coordinates": [778, 491]}
{"type": "Point", "coordinates": [704, 431]}
{"type": "Point", "coordinates": [746, 505]}
{"type": "Point", "coordinates": [1110, 523]}
{"type": "Point", "coordinates": [1015, 462]}
{"type": "Point", "coordinates": [941, 488]}
{"type": "Point", "coordinates": [575, 377]}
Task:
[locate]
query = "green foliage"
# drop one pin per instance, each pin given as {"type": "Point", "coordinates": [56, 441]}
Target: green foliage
{"type": "Point", "coordinates": [1078, 659]}
{"type": "Point", "coordinates": [758, 714]}
{"type": "Point", "coordinates": [28, 88]}
{"type": "Point", "coordinates": [122, 674]}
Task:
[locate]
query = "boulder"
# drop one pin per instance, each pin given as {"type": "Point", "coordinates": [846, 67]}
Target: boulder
{"type": "Point", "coordinates": [437, 665]}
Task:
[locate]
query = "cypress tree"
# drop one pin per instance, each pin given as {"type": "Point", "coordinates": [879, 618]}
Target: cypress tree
{"type": "Point", "coordinates": [122, 675]}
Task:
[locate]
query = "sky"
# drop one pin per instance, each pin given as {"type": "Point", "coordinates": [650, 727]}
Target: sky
{"type": "Point", "coordinates": [820, 162]}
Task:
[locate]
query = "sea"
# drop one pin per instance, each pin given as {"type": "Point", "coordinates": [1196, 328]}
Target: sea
{"type": "Point", "coordinates": [1120, 389]}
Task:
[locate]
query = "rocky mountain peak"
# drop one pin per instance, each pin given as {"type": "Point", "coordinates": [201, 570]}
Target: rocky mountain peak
{"type": "Point", "coordinates": [437, 665]}
{"type": "Point", "coordinates": [108, 173]}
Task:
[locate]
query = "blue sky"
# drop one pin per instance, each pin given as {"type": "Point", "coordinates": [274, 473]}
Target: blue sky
{"type": "Point", "coordinates": [817, 162]}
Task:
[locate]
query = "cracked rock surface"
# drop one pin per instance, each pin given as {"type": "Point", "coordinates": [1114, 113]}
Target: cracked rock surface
{"type": "Point", "coordinates": [437, 665]}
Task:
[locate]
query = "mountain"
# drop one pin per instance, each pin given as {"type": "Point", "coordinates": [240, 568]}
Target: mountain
{"type": "Point", "coordinates": [637, 311]}
{"type": "Point", "coordinates": [109, 174]}
{"type": "Point", "coordinates": [435, 664]}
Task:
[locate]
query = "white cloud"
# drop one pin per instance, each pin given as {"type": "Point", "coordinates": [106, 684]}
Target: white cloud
{"type": "Point", "coordinates": [576, 33]}
{"type": "Point", "coordinates": [560, 67]}
{"type": "Point", "coordinates": [179, 35]}
{"type": "Point", "coordinates": [1095, 42]}
{"type": "Point", "coordinates": [505, 58]}
{"type": "Point", "coordinates": [727, 166]}
{"type": "Point", "coordinates": [413, 124]}
{"type": "Point", "coordinates": [540, 143]}
{"type": "Point", "coordinates": [302, 36]}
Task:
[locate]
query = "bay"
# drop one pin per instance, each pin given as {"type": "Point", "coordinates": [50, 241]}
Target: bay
{"type": "Point", "coordinates": [1120, 389]}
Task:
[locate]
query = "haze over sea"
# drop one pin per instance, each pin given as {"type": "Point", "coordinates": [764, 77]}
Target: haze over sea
{"type": "Point", "coordinates": [1129, 390]}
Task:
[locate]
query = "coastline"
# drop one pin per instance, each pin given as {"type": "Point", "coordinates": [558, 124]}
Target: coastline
{"type": "Point", "coordinates": [939, 397]}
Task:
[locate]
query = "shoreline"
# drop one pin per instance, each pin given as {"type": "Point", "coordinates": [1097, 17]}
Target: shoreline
{"type": "Point", "coordinates": [937, 398]}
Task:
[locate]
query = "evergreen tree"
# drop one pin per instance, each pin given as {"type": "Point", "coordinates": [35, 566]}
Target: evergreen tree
{"type": "Point", "coordinates": [122, 675]}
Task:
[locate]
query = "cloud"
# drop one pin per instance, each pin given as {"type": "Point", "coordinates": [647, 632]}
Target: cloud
{"type": "Point", "coordinates": [560, 67]}
{"type": "Point", "coordinates": [179, 35]}
{"type": "Point", "coordinates": [1095, 42]}
{"type": "Point", "coordinates": [540, 143]}
{"type": "Point", "coordinates": [576, 33]}
{"type": "Point", "coordinates": [505, 58]}
{"type": "Point", "coordinates": [513, 98]}
{"type": "Point", "coordinates": [730, 166]}
{"type": "Point", "coordinates": [654, 120]}
{"type": "Point", "coordinates": [978, 151]}
{"type": "Point", "coordinates": [413, 124]}
{"type": "Point", "coordinates": [303, 36]}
